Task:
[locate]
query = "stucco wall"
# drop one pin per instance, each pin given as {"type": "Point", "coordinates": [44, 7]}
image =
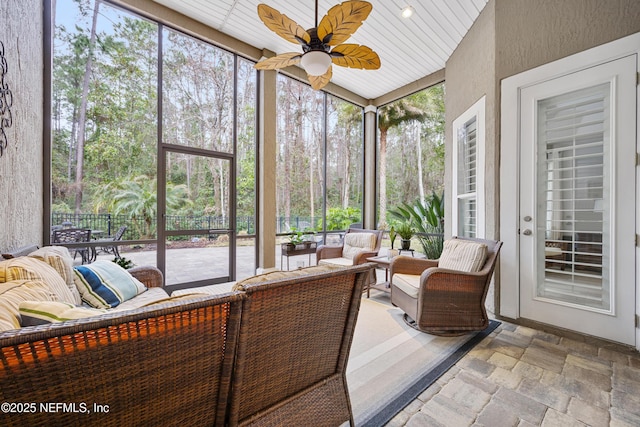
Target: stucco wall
{"type": "Point", "coordinates": [21, 165]}
{"type": "Point", "coordinates": [530, 33]}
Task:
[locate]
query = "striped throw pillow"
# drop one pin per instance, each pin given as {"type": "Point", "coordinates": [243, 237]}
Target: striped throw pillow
{"type": "Point", "coordinates": [34, 313]}
{"type": "Point", "coordinates": [17, 291]}
{"type": "Point", "coordinates": [59, 258]}
{"type": "Point", "coordinates": [28, 268]}
{"type": "Point", "coordinates": [104, 284]}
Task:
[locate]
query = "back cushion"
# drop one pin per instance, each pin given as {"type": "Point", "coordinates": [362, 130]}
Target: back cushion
{"type": "Point", "coordinates": [357, 242]}
{"type": "Point", "coordinates": [463, 255]}
{"type": "Point", "coordinates": [24, 267]}
{"type": "Point", "coordinates": [59, 258]}
{"type": "Point", "coordinates": [13, 293]}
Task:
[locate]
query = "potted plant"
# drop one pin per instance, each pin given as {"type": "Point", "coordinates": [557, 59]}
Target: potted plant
{"type": "Point", "coordinates": [405, 231]}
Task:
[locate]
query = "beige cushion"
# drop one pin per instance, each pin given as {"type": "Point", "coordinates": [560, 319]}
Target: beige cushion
{"type": "Point", "coordinates": [42, 312]}
{"type": "Point", "coordinates": [358, 242]}
{"type": "Point", "coordinates": [28, 268]}
{"type": "Point", "coordinates": [17, 291]}
{"type": "Point", "coordinates": [60, 259]}
{"type": "Point", "coordinates": [463, 255]}
{"type": "Point", "coordinates": [345, 262]}
{"type": "Point", "coordinates": [150, 296]}
{"type": "Point", "coordinates": [277, 275]}
{"type": "Point", "coordinates": [408, 283]}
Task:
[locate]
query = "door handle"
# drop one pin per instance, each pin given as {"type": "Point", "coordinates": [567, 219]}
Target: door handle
{"type": "Point", "coordinates": [527, 232]}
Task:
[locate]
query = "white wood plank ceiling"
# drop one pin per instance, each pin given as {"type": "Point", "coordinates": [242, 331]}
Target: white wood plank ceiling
{"type": "Point", "coordinates": [409, 49]}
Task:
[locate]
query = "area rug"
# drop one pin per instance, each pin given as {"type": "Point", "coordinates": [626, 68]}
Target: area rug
{"type": "Point", "coordinates": [391, 364]}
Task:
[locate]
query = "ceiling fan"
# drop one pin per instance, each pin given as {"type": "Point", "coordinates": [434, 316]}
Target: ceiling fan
{"type": "Point", "coordinates": [323, 44]}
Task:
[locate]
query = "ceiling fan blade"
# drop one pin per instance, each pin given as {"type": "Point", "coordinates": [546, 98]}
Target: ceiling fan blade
{"type": "Point", "coordinates": [342, 20]}
{"type": "Point", "coordinates": [355, 56]}
{"type": "Point", "coordinates": [318, 82]}
{"type": "Point", "coordinates": [279, 61]}
{"type": "Point", "coordinates": [282, 25]}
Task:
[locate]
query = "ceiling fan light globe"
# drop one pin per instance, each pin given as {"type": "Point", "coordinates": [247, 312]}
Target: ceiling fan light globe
{"type": "Point", "coordinates": [315, 63]}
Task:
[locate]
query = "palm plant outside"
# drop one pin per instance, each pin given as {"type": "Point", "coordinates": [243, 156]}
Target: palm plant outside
{"type": "Point", "coordinates": [427, 217]}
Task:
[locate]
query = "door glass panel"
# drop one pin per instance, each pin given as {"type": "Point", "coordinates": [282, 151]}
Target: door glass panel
{"type": "Point", "coordinates": [573, 172]}
{"type": "Point", "coordinates": [197, 219]}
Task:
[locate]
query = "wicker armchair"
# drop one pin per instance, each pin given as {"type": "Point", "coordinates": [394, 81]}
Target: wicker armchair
{"type": "Point", "coordinates": [293, 347]}
{"type": "Point", "coordinates": [326, 254]}
{"type": "Point", "coordinates": [445, 302]}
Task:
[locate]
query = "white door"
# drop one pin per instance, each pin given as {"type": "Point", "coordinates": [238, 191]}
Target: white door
{"type": "Point", "coordinates": [578, 201]}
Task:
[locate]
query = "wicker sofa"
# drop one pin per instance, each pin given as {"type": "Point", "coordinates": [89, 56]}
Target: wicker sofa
{"type": "Point", "coordinates": [272, 352]}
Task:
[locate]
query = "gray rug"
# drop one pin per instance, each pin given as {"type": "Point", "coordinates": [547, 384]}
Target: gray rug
{"type": "Point", "coordinates": [391, 364]}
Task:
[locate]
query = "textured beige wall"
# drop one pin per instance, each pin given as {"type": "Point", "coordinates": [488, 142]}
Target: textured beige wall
{"type": "Point", "coordinates": [531, 33]}
{"type": "Point", "coordinates": [21, 165]}
{"type": "Point", "coordinates": [470, 75]}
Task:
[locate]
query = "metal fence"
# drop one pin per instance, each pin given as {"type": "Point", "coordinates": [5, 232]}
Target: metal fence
{"type": "Point", "coordinates": [109, 223]}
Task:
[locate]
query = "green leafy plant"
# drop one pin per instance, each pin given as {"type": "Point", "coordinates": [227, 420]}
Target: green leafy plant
{"type": "Point", "coordinates": [405, 230]}
{"type": "Point", "coordinates": [428, 219]}
{"type": "Point", "coordinates": [392, 236]}
{"type": "Point", "coordinates": [123, 262]}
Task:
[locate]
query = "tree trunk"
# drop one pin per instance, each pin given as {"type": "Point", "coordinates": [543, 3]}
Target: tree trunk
{"type": "Point", "coordinates": [83, 112]}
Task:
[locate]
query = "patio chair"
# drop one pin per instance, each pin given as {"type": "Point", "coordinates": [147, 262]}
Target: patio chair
{"type": "Point", "coordinates": [74, 235]}
{"type": "Point", "coordinates": [446, 296]}
{"type": "Point", "coordinates": [358, 244]}
{"type": "Point", "coordinates": [110, 249]}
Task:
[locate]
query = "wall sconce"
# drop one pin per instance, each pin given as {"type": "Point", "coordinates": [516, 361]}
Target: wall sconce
{"type": "Point", "coordinates": [6, 101]}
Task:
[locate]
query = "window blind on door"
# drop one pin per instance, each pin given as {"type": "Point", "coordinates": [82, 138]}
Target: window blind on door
{"type": "Point", "coordinates": [573, 173]}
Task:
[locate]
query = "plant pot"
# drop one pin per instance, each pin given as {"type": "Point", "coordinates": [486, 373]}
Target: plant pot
{"type": "Point", "coordinates": [405, 244]}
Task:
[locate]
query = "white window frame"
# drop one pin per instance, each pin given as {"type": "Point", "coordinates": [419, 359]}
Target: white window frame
{"type": "Point", "coordinates": [477, 110]}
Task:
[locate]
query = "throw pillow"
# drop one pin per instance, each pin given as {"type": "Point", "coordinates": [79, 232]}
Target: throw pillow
{"type": "Point", "coordinates": [15, 292]}
{"type": "Point", "coordinates": [277, 275]}
{"type": "Point", "coordinates": [104, 284]}
{"type": "Point", "coordinates": [27, 268]}
{"type": "Point", "coordinates": [463, 255]}
{"type": "Point", "coordinates": [60, 259]}
{"type": "Point", "coordinates": [357, 242]}
{"type": "Point", "coordinates": [34, 313]}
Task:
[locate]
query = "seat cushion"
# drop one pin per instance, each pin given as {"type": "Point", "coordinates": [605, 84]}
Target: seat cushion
{"type": "Point", "coordinates": [34, 313]}
{"type": "Point", "coordinates": [344, 262]}
{"type": "Point", "coordinates": [357, 242]}
{"type": "Point", "coordinates": [150, 296]}
{"type": "Point", "coordinates": [17, 291]}
{"type": "Point", "coordinates": [28, 268]}
{"type": "Point", "coordinates": [60, 259]}
{"type": "Point", "coordinates": [104, 284]}
{"type": "Point", "coordinates": [408, 283]}
{"type": "Point", "coordinates": [463, 255]}
{"type": "Point", "coordinates": [278, 275]}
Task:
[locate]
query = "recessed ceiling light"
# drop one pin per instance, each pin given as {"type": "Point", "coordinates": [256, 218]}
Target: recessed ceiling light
{"type": "Point", "coordinates": [407, 12]}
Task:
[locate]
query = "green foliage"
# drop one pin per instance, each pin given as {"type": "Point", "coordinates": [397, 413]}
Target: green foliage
{"type": "Point", "coordinates": [340, 219]}
{"type": "Point", "coordinates": [428, 219]}
{"type": "Point", "coordinates": [405, 230]}
{"type": "Point", "coordinates": [124, 262]}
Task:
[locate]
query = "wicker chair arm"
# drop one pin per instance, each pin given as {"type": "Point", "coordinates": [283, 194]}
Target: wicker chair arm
{"type": "Point", "coordinates": [442, 279]}
{"type": "Point", "coordinates": [326, 252]}
{"type": "Point", "coordinates": [150, 276]}
{"type": "Point", "coordinates": [361, 257]}
{"type": "Point", "coordinates": [410, 265]}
